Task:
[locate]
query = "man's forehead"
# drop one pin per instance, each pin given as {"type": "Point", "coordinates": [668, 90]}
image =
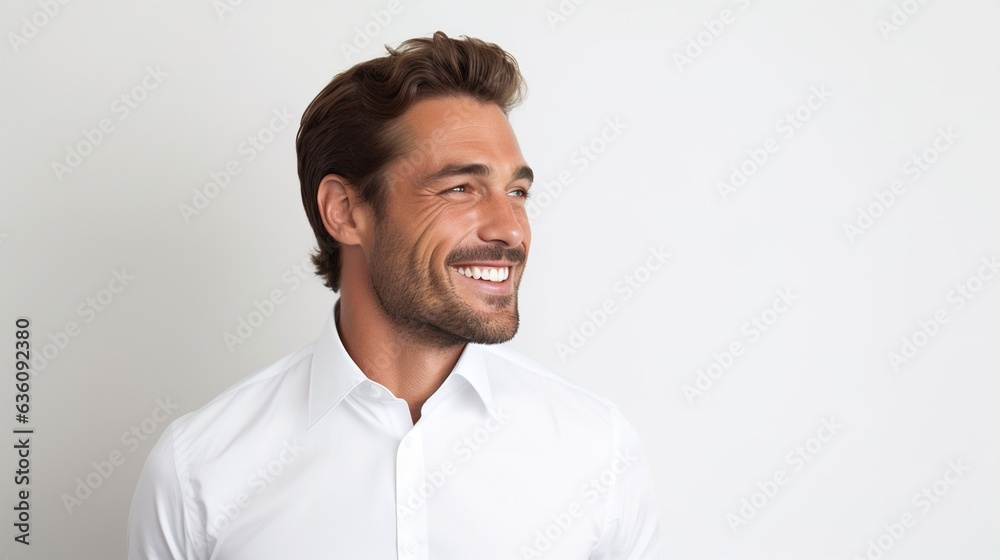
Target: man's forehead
{"type": "Point", "coordinates": [452, 118]}
{"type": "Point", "coordinates": [444, 130]}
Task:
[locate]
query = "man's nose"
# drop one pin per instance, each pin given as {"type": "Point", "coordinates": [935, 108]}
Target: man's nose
{"type": "Point", "coordinates": [501, 221]}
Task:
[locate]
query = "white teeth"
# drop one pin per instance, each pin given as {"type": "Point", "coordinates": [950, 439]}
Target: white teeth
{"type": "Point", "coordinates": [489, 274]}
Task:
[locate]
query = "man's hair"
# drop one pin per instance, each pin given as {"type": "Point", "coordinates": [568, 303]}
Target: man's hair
{"type": "Point", "coordinates": [349, 128]}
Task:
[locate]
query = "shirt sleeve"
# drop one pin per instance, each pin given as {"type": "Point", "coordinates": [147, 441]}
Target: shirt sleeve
{"type": "Point", "coordinates": [632, 526]}
{"type": "Point", "coordinates": [158, 523]}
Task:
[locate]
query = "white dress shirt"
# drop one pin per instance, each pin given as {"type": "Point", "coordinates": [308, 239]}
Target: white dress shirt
{"type": "Point", "coordinates": [308, 458]}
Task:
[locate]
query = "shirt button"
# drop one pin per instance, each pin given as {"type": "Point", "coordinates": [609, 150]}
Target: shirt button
{"type": "Point", "coordinates": [376, 393]}
{"type": "Point", "coordinates": [412, 547]}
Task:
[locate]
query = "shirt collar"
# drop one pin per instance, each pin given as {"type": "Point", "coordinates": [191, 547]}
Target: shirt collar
{"type": "Point", "coordinates": [334, 374]}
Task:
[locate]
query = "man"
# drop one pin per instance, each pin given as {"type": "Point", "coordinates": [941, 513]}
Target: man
{"type": "Point", "coordinates": [399, 434]}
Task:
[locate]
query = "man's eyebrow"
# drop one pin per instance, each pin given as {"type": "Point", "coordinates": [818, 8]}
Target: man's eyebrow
{"type": "Point", "coordinates": [524, 172]}
{"type": "Point", "coordinates": [475, 169]}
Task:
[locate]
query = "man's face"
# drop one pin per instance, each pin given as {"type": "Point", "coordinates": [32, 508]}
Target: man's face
{"type": "Point", "coordinates": [455, 207]}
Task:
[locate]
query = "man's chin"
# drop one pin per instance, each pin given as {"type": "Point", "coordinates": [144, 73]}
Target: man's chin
{"type": "Point", "coordinates": [497, 337]}
{"type": "Point", "coordinates": [491, 328]}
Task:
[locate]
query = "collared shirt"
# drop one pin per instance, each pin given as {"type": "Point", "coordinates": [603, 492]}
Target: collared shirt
{"type": "Point", "coordinates": [309, 459]}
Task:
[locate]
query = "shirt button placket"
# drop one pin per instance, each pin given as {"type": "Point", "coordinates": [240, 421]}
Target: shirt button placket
{"type": "Point", "coordinates": [411, 506]}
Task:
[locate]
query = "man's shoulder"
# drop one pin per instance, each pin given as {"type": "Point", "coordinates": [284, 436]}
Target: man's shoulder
{"type": "Point", "coordinates": [236, 410]}
{"type": "Point", "coordinates": [525, 380]}
{"type": "Point", "coordinates": [267, 378]}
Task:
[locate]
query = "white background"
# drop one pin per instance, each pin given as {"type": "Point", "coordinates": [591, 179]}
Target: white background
{"type": "Point", "coordinates": [656, 185]}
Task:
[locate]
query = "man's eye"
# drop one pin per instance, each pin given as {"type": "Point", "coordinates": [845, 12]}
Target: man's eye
{"type": "Point", "coordinates": [460, 188]}
{"type": "Point", "coordinates": [522, 193]}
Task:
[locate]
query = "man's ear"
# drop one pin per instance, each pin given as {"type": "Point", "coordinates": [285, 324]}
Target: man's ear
{"type": "Point", "coordinates": [344, 217]}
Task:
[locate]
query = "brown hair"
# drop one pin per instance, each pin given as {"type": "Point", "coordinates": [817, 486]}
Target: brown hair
{"type": "Point", "coordinates": [348, 129]}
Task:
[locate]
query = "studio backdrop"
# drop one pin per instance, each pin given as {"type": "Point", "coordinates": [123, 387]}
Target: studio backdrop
{"type": "Point", "coordinates": [767, 229]}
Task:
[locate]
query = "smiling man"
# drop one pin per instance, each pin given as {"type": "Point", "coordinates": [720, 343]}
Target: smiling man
{"type": "Point", "coordinates": [401, 432]}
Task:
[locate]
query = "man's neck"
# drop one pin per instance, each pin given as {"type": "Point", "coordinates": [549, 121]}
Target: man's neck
{"type": "Point", "coordinates": [411, 369]}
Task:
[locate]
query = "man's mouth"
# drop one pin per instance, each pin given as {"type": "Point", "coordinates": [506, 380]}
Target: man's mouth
{"type": "Point", "coordinates": [491, 274]}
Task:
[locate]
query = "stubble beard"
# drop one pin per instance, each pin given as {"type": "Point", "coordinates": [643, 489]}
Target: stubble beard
{"type": "Point", "coordinates": [427, 307]}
